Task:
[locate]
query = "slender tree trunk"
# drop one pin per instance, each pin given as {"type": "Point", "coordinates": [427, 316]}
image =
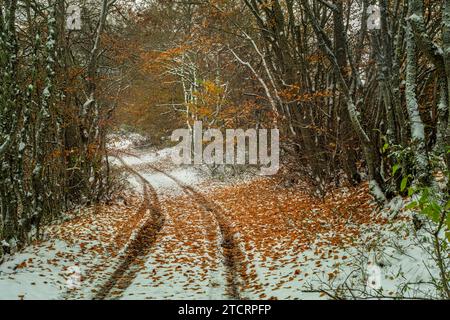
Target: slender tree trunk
{"type": "Point", "coordinates": [415, 121]}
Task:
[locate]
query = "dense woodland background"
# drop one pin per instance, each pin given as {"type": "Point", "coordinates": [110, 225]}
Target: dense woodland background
{"type": "Point", "coordinates": [352, 102]}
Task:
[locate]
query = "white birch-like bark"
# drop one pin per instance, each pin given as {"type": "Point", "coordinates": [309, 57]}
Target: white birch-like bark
{"type": "Point", "coordinates": [417, 127]}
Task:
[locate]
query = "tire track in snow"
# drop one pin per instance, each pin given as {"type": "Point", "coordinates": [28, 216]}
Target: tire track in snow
{"type": "Point", "coordinates": [140, 245]}
{"type": "Point", "coordinates": [230, 249]}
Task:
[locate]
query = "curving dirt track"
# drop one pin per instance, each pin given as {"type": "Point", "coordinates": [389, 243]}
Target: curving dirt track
{"type": "Point", "coordinates": [139, 246]}
{"type": "Point", "coordinates": [230, 249]}
{"type": "Point", "coordinates": [132, 261]}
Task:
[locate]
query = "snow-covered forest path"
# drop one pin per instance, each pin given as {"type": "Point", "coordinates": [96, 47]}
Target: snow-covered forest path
{"type": "Point", "coordinates": [178, 232]}
{"type": "Point", "coordinates": [140, 244]}
{"type": "Point", "coordinates": [193, 257]}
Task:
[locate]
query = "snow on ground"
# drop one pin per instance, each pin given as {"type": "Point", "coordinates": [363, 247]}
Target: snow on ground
{"type": "Point", "coordinates": [142, 157]}
{"type": "Point", "coordinates": [75, 256]}
{"type": "Point", "coordinates": [125, 140]}
{"type": "Point", "coordinates": [285, 243]}
{"type": "Point", "coordinates": [86, 248]}
{"type": "Point", "coordinates": [185, 262]}
{"type": "Point", "coordinates": [144, 162]}
{"type": "Point", "coordinates": [297, 247]}
{"type": "Point", "coordinates": [37, 272]}
{"type": "Point", "coordinates": [163, 183]}
{"type": "Point", "coordinates": [293, 246]}
{"type": "Point", "coordinates": [399, 254]}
